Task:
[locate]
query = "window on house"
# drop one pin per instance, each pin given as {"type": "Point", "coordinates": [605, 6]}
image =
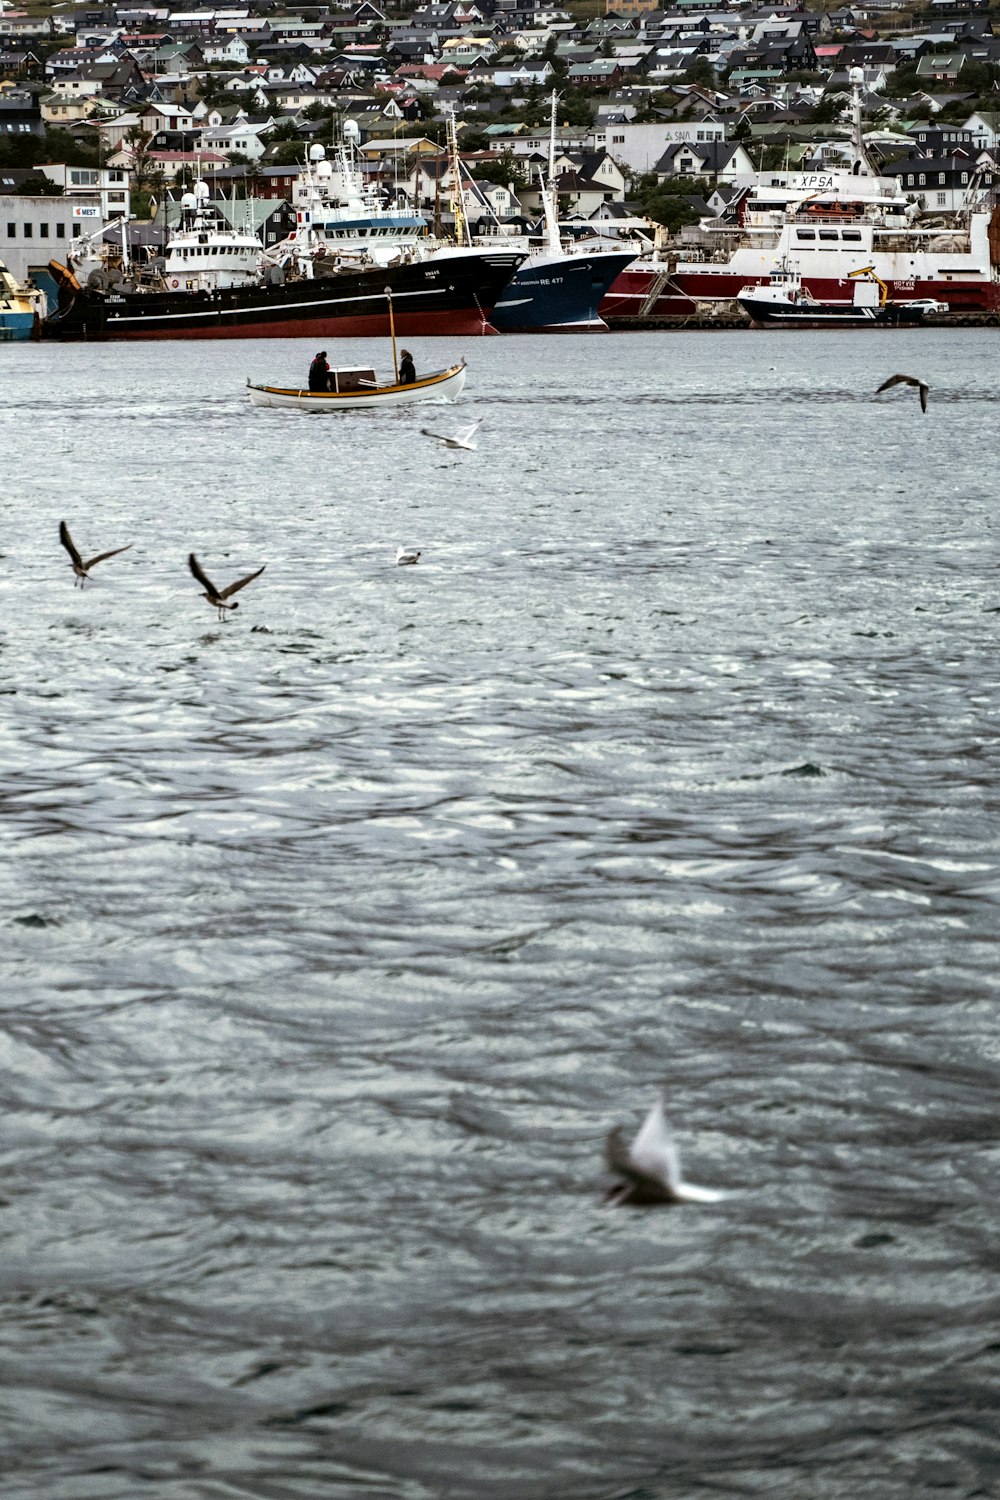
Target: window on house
{"type": "Point", "coordinates": [922, 179]}
{"type": "Point", "coordinates": [965, 177]}
{"type": "Point", "coordinates": [942, 199]}
{"type": "Point", "coordinates": [12, 231]}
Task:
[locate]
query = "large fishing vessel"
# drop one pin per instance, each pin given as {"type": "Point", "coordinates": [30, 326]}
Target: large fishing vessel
{"type": "Point", "coordinates": [214, 281]}
{"type": "Point", "coordinates": [559, 287]}
{"type": "Point", "coordinates": [826, 226]}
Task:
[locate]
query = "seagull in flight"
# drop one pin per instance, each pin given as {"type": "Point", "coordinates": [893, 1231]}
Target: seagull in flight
{"type": "Point", "coordinates": [218, 597]}
{"type": "Point", "coordinates": [81, 569]}
{"type": "Point", "coordinates": [650, 1167]}
{"type": "Point", "coordinates": [460, 439]}
{"type": "Point", "coordinates": [921, 386]}
{"type": "Point", "coordinates": [405, 555]}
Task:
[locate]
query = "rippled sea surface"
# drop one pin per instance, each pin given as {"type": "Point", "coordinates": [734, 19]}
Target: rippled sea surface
{"type": "Point", "coordinates": [335, 937]}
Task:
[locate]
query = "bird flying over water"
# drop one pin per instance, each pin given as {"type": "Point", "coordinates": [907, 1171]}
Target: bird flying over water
{"type": "Point", "coordinates": [81, 569]}
{"type": "Point", "coordinates": [406, 555]}
{"type": "Point", "coordinates": [460, 439]}
{"type": "Point", "coordinates": [218, 597]}
{"type": "Point", "coordinates": [650, 1167]}
{"type": "Point", "coordinates": [921, 385]}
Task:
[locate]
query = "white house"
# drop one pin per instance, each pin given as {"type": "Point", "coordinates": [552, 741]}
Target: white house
{"type": "Point", "coordinates": [639, 147]}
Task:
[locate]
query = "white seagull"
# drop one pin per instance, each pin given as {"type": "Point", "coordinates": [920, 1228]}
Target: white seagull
{"type": "Point", "coordinates": [460, 439]}
{"type": "Point", "coordinates": [921, 386]}
{"type": "Point", "coordinates": [406, 555]}
{"type": "Point", "coordinates": [651, 1167]}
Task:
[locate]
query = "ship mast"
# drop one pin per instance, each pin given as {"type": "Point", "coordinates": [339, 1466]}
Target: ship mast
{"type": "Point", "coordinates": [548, 191]}
{"type": "Point", "coordinates": [462, 235]}
{"type": "Point", "coordinates": [861, 163]}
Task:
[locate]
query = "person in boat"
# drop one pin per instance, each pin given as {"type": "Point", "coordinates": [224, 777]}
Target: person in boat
{"type": "Point", "coordinates": [407, 369]}
{"type": "Point", "coordinates": [319, 373]}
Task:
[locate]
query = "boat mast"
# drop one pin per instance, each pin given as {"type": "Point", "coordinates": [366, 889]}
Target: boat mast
{"type": "Point", "coordinates": [552, 238]}
{"type": "Point", "coordinates": [462, 235]}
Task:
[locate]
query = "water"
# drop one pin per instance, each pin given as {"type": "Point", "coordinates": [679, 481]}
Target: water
{"type": "Point", "coordinates": [337, 936]}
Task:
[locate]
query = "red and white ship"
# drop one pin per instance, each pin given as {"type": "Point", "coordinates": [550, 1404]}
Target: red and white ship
{"type": "Point", "coordinates": [826, 226]}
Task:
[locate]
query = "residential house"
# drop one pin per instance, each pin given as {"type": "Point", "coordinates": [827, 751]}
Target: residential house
{"type": "Point", "coordinates": [940, 182]}
{"type": "Point", "coordinates": [727, 160]}
{"type": "Point", "coordinates": [109, 184]}
{"type": "Point", "coordinates": [20, 115]}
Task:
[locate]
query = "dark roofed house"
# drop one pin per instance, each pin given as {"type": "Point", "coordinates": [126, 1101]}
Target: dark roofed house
{"type": "Point", "coordinates": [704, 159]}
{"type": "Point", "coordinates": [20, 115]}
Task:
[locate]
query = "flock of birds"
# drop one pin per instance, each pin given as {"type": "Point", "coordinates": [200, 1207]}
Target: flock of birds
{"type": "Point", "coordinates": [647, 1172]}
{"type": "Point", "coordinates": [220, 599]}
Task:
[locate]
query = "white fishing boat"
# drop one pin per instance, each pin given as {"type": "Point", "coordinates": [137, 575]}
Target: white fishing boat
{"type": "Point", "coordinates": [357, 387]}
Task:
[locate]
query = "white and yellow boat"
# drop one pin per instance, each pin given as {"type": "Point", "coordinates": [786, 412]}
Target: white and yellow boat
{"type": "Point", "coordinates": [356, 386]}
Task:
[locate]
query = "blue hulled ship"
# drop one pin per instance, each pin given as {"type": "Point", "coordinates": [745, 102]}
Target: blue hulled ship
{"type": "Point", "coordinates": [21, 309]}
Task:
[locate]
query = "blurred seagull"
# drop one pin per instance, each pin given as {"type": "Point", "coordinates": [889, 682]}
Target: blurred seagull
{"type": "Point", "coordinates": [216, 596]}
{"type": "Point", "coordinates": [460, 439]}
{"type": "Point", "coordinates": [921, 385]}
{"type": "Point", "coordinates": [406, 555]}
{"type": "Point", "coordinates": [651, 1167]}
{"type": "Point", "coordinates": [81, 569]}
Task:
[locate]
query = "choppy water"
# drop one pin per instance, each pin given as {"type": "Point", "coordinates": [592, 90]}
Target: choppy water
{"type": "Point", "coordinates": [335, 938]}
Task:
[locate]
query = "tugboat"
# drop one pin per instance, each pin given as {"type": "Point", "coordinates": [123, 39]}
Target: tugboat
{"type": "Point", "coordinates": [21, 309]}
{"type": "Point", "coordinates": [216, 282]}
{"type": "Point", "coordinates": [784, 302]}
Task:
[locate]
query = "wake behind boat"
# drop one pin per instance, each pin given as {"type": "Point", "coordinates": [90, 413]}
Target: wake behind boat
{"type": "Point", "coordinates": [358, 387]}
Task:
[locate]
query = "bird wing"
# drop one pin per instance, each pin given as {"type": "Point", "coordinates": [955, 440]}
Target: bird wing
{"type": "Point", "coordinates": [427, 433]}
{"type": "Point", "coordinates": [101, 556]}
{"type": "Point", "coordinates": [923, 396]}
{"type": "Point", "coordinates": [241, 583]}
{"type": "Point", "coordinates": [201, 575]}
{"type": "Point", "coordinates": [653, 1151]}
{"type": "Point", "coordinates": [898, 380]}
{"type": "Point", "coordinates": [686, 1192]}
{"type": "Point", "coordinates": [464, 433]}
{"type": "Point", "coordinates": [67, 542]}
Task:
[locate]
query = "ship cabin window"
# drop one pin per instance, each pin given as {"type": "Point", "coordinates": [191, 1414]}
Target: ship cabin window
{"type": "Point", "coordinates": [854, 235]}
{"type": "Point", "coordinates": [28, 231]}
{"type": "Point", "coordinates": [43, 230]}
{"type": "Point", "coordinates": [60, 231]}
{"type": "Point", "coordinates": [829, 234]}
{"type": "Point", "coordinates": [805, 234]}
{"type": "Point", "coordinates": [12, 231]}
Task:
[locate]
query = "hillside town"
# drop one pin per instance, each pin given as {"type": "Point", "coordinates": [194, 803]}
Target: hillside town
{"type": "Point", "coordinates": [662, 118]}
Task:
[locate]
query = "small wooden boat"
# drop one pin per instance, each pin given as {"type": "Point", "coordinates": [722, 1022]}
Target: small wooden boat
{"type": "Point", "coordinates": [357, 387]}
